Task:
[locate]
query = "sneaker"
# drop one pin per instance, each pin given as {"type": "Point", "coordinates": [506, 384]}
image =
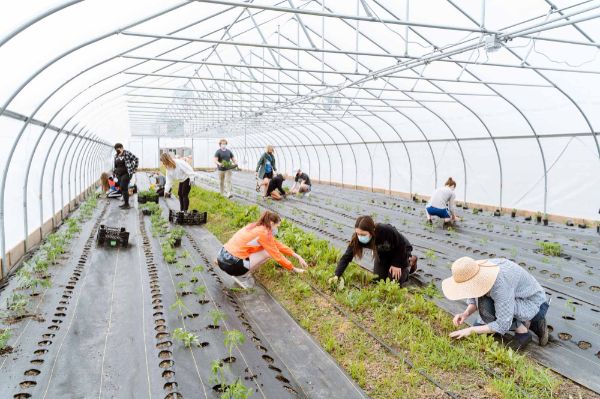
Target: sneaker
{"type": "Point", "coordinates": [246, 281]}
{"type": "Point", "coordinates": [230, 196]}
{"type": "Point", "coordinates": [540, 328]}
{"type": "Point", "coordinates": [124, 206]}
{"type": "Point", "coordinates": [520, 341]}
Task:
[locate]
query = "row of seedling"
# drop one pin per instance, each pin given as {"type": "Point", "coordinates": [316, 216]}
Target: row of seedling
{"type": "Point", "coordinates": [33, 277]}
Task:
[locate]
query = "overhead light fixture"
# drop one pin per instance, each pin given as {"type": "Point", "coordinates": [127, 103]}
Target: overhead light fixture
{"type": "Point", "coordinates": [492, 43]}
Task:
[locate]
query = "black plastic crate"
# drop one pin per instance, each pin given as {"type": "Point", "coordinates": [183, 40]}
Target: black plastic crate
{"type": "Point", "coordinates": [193, 217]}
{"type": "Point", "coordinates": [112, 236]}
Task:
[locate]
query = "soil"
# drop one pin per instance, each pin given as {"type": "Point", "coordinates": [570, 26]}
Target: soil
{"type": "Point", "coordinates": [6, 350]}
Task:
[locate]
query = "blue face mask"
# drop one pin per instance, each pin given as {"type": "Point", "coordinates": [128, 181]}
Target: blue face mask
{"type": "Point", "coordinates": [274, 230]}
{"type": "Point", "coordinates": [364, 239]}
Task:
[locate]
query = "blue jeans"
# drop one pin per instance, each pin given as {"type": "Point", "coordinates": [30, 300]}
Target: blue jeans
{"type": "Point", "coordinates": [487, 312]}
{"type": "Point", "coordinates": [442, 213]}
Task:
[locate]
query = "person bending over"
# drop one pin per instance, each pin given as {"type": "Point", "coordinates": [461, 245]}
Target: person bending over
{"type": "Point", "coordinates": [178, 169]}
{"type": "Point", "coordinates": [302, 184]}
{"type": "Point", "coordinates": [506, 296]}
{"type": "Point", "coordinates": [441, 203]}
{"type": "Point", "coordinates": [275, 188]}
{"type": "Point", "coordinates": [392, 253]}
{"type": "Point", "coordinates": [252, 246]}
{"type": "Point", "coordinates": [125, 165]}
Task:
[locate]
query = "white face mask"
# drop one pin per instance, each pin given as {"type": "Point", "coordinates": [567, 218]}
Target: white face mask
{"type": "Point", "coordinates": [223, 147]}
{"type": "Point", "coordinates": [274, 230]}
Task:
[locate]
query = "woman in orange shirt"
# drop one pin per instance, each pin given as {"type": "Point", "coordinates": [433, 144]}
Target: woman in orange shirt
{"type": "Point", "coordinates": [252, 246]}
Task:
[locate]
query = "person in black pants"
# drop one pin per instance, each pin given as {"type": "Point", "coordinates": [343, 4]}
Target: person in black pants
{"type": "Point", "coordinates": [178, 170]}
{"type": "Point", "coordinates": [125, 165]}
{"type": "Point", "coordinates": [392, 253]}
{"type": "Point", "coordinates": [275, 188]}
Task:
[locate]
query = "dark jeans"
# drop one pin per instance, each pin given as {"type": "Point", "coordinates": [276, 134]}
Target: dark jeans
{"type": "Point", "coordinates": [184, 194]}
{"type": "Point", "coordinates": [487, 312]}
{"type": "Point", "coordinates": [124, 186]}
{"type": "Point", "coordinates": [381, 269]}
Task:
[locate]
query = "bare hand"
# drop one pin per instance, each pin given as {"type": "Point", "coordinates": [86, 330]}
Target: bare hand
{"type": "Point", "coordinates": [302, 261]}
{"type": "Point", "coordinates": [396, 272]}
{"type": "Point", "coordinates": [298, 270]}
{"type": "Point", "coordinates": [459, 319]}
{"type": "Point", "coordinates": [465, 332]}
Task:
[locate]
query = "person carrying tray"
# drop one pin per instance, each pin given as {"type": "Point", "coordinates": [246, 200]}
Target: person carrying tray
{"type": "Point", "coordinates": [252, 246]}
{"type": "Point", "coordinates": [226, 162]}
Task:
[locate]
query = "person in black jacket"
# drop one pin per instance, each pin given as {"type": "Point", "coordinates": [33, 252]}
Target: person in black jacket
{"type": "Point", "coordinates": [392, 253]}
{"type": "Point", "coordinates": [125, 165]}
{"type": "Point", "coordinates": [275, 188]}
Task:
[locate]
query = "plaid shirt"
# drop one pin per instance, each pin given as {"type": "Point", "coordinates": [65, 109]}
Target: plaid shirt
{"type": "Point", "coordinates": [516, 295]}
{"type": "Point", "coordinates": [131, 161]}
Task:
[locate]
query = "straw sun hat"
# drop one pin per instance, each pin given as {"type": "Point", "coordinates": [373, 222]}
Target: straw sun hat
{"type": "Point", "coordinates": [470, 278]}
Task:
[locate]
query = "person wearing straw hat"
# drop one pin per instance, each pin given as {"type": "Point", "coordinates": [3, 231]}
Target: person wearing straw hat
{"type": "Point", "coordinates": [506, 296]}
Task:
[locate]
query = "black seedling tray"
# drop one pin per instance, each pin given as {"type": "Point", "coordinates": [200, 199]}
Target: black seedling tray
{"type": "Point", "coordinates": [112, 236]}
{"type": "Point", "coordinates": [143, 200]}
{"type": "Point", "coordinates": [184, 217]}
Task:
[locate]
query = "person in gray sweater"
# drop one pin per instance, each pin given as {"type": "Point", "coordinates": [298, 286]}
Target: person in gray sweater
{"type": "Point", "coordinates": [442, 204]}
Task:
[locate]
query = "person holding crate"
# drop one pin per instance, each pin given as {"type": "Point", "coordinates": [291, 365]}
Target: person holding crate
{"type": "Point", "coordinates": [226, 162]}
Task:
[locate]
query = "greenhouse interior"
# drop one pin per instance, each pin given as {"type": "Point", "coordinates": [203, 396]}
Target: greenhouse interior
{"type": "Point", "coordinates": [189, 186]}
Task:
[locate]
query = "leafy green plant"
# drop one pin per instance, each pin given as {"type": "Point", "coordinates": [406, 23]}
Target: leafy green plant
{"type": "Point", "coordinates": [177, 232]}
{"type": "Point", "coordinates": [148, 195]}
{"type": "Point", "coordinates": [216, 316]}
{"type": "Point", "coordinates": [198, 269]}
{"type": "Point", "coordinates": [233, 339]}
{"type": "Point", "coordinates": [186, 337]}
{"type": "Point", "coordinates": [183, 285]}
{"type": "Point", "coordinates": [17, 303]}
{"type": "Point", "coordinates": [4, 337]}
{"type": "Point", "coordinates": [200, 291]}
{"type": "Point", "coordinates": [550, 248]}
{"type": "Point", "coordinates": [431, 256]}
{"type": "Point", "coordinates": [475, 211]}
{"type": "Point", "coordinates": [237, 390]}
{"type": "Point", "coordinates": [180, 306]}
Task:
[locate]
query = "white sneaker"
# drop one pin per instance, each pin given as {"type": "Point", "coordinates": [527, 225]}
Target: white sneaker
{"type": "Point", "coordinates": [246, 281]}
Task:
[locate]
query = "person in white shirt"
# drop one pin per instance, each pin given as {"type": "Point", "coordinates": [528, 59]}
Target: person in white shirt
{"type": "Point", "coordinates": [178, 169]}
{"type": "Point", "coordinates": [441, 203]}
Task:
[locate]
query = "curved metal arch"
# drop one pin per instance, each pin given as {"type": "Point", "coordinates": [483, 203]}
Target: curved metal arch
{"type": "Point", "coordinates": [287, 147]}
{"type": "Point", "coordinates": [282, 130]}
{"type": "Point", "coordinates": [368, 151]}
{"type": "Point", "coordinates": [263, 142]}
{"type": "Point", "coordinates": [421, 131]}
{"type": "Point", "coordinates": [328, 155]}
{"type": "Point", "coordinates": [64, 164]}
{"type": "Point", "coordinates": [315, 149]}
{"type": "Point", "coordinates": [79, 165]}
{"type": "Point", "coordinates": [54, 174]}
{"type": "Point", "coordinates": [276, 129]}
{"type": "Point", "coordinates": [73, 157]}
{"type": "Point", "coordinates": [85, 168]}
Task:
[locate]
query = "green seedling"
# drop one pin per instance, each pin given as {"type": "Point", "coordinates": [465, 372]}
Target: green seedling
{"type": "Point", "coordinates": [4, 337]}
{"type": "Point", "coordinates": [198, 269]}
{"type": "Point", "coordinates": [475, 211]}
{"type": "Point", "coordinates": [177, 232]}
{"type": "Point", "coordinates": [200, 291]}
{"type": "Point", "coordinates": [216, 316]}
{"type": "Point", "coordinates": [490, 226]}
{"type": "Point", "coordinates": [513, 253]}
{"type": "Point", "coordinates": [186, 337]}
{"type": "Point", "coordinates": [17, 304]}
{"type": "Point", "coordinates": [186, 254]}
{"type": "Point", "coordinates": [233, 339]}
{"type": "Point", "coordinates": [431, 256]}
{"type": "Point", "coordinates": [183, 285]}
{"type": "Point", "coordinates": [550, 248]}
{"type": "Point", "coordinates": [180, 306]}
{"type": "Point", "coordinates": [484, 241]}
{"type": "Point", "coordinates": [237, 390]}
{"type": "Point", "coordinates": [570, 306]}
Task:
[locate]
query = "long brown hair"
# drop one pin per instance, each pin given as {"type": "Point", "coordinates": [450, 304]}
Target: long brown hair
{"type": "Point", "coordinates": [167, 160]}
{"type": "Point", "coordinates": [104, 181]}
{"type": "Point", "coordinates": [450, 183]}
{"type": "Point", "coordinates": [365, 223]}
{"type": "Point", "coordinates": [266, 219]}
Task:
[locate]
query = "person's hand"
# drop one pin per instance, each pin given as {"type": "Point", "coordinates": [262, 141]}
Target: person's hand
{"type": "Point", "coordinates": [396, 272]}
{"type": "Point", "coordinates": [298, 270]}
{"type": "Point", "coordinates": [168, 194]}
{"type": "Point", "coordinates": [333, 280]}
{"type": "Point", "coordinates": [412, 261]}
{"type": "Point", "coordinates": [336, 283]}
{"type": "Point", "coordinates": [302, 261]}
{"type": "Point", "coordinates": [459, 319]}
{"type": "Point", "coordinates": [465, 332]}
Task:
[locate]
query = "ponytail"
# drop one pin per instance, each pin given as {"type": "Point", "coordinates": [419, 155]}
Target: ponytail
{"type": "Point", "coordinates": [266, 219]}
{"type": "Point", "coordinates": [450, 183]}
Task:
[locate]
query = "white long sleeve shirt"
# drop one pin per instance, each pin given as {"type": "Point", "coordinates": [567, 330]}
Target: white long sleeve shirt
{"type": "Point", "coordinates": [443, 197]}
{"type": "Point", "coordinates": [182, 171]}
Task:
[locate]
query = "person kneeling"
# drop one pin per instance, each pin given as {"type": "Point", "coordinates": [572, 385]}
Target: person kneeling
{"type": "Point", "coordinates": [252, 246]}
{"type": "Point", "coordinates": [275, 188]}
{"type": "Point", "coordinates": [506, 296]}
{"type": "Point", "coordinates": [302, 184]}
{"type": "Point", "coordinates": [392, 253]}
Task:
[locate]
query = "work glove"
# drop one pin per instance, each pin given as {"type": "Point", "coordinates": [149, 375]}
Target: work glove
{"type": "Point", "coordinates": [336, 283]}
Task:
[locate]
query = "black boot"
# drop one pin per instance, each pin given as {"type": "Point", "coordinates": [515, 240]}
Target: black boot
{"type": "Point", "coordinates": [124, 206]}
{"type": "Point", "coordinates": [540, 328]}
{"type": "Point", "coordinates": [520, 341]}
